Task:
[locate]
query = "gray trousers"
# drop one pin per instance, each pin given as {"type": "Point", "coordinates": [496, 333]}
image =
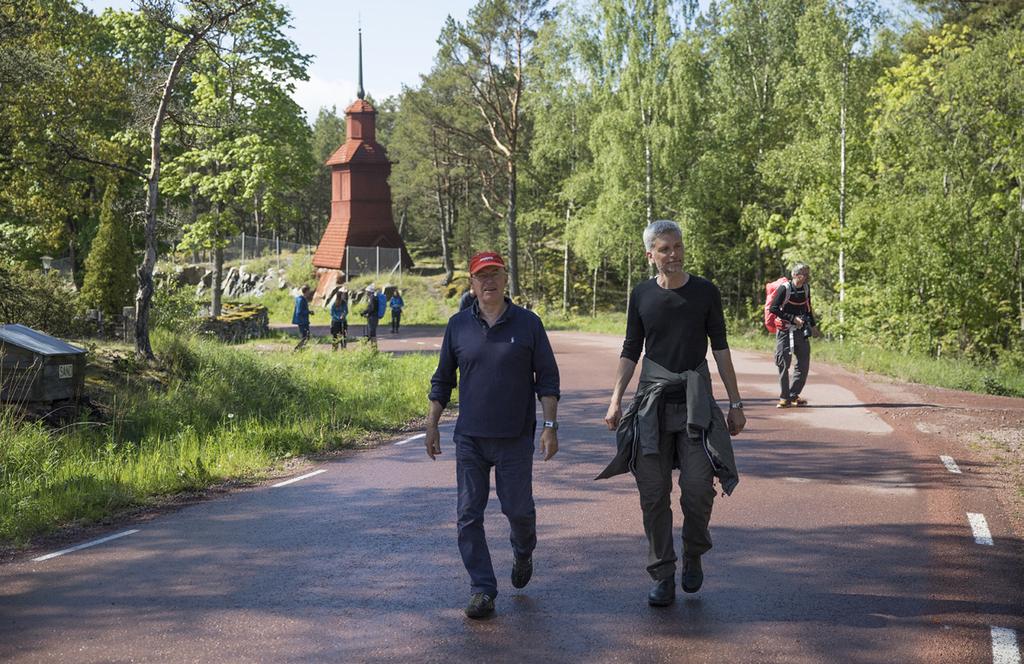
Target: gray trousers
{"type": "Point", "coordinates": [654, 480]}
{"type": "Point", "coordinates": [787, 344]}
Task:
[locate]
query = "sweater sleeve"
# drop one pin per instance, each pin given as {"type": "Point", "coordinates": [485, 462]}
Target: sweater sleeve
{"type": "Point", "coordinates": [715, 324]}
{"type": "Point", "coordinates": [633, 345]}
{"type": "Point", "coordinates": [444, 379]}
{"type": "Point", "coordinates": [545, 368]}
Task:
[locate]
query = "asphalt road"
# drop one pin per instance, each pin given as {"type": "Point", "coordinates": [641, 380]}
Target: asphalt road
{"type": "Point", "coordinates": [847, 540]}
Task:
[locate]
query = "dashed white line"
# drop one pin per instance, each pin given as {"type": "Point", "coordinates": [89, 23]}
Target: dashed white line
{"type": "Point", "coordinates": [950, 465]}
{"type": "Point", "coordinates": [979, 526]}
{"type": "Point", "coordinates": [299, 478]}
{"type": "Point", "coordinates": [1004, 646]}
{"type": "Point", "coordinates": [421, 343]}
{"type": "Point", "coordinates": [411, 438]}
{"type": "Point", "coordinates": [85, 545]}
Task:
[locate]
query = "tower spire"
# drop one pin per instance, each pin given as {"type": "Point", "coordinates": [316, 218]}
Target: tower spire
{"type": "Point", "coordinates": [361, 93]}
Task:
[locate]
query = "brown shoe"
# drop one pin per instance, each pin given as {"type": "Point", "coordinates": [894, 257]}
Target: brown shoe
{"type": "Point", "coordinates": [783, 403]}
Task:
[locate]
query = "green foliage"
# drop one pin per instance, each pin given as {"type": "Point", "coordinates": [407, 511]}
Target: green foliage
{"type": "Point", "coordinates": [223, 413]}
{"type": "Point", "coordinates": [175, 308]}
{"type": "Point", "coordinates": [109, 268]}
{"type": "Point", "coordinates": [42, 301]}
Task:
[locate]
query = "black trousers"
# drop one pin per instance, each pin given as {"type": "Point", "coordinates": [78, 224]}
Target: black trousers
{"type": "Point", "coordinates": [696, 483]}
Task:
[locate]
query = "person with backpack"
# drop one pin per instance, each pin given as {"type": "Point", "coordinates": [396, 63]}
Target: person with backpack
{"type": "Point", "coordinates": [790, 315]}
{"type": "Point", "coordinates": [339, 318]}
{"type": "Point", "coordinates": [396, 310]}
{"type": "Point", "coordinates": [301, 313]}
{"type": "Point", "coordinates": [372, 313]}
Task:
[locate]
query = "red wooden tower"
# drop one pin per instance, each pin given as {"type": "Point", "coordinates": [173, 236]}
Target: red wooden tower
{"type": "Point", "coordinates": [360, 196]}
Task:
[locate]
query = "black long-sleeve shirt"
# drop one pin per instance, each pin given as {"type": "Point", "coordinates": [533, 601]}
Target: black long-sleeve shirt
{"type": "Point", "coordinates": [672, 326]}
{"type": "Point", "coordinates": [500, 368]}
{"type": "Point", "coordinates": [799, 303]}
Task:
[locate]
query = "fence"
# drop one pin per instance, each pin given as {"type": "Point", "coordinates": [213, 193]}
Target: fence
{"type": "Point", "coordinates": [247, 247]}
{"type": "Point", "coordinates": [379, 260]}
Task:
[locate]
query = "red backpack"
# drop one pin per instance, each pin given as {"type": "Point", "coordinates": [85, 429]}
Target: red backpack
{"type": "Point", "coordinates": [771, 321]}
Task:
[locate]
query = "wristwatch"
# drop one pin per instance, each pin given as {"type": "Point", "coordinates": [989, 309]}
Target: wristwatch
{"type": "Point", "coordinates": [551, 424]}
{"type": "Point", "coordinates": [736, 404]}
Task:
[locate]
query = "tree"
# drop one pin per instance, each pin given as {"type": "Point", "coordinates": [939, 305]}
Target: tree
{"type": "Point", "coordinates": [202, 24]}
{"type": "Point", "coordinates": [109, 281]}
{"type": "Point", "coordinates": [248, 140]}
{"type": "Point", "coordinates": [491, 52]}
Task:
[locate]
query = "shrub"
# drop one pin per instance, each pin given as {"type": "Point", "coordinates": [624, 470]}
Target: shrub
{"type": "Point", "coordinates": [109, 267]}
{"type": "Point", "coordinates": [43, 301]}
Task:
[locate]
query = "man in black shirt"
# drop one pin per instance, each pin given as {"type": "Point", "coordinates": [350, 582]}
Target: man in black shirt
{"type": "Point", "coordinates": [671, 318]}
{"type": "Point", "coordinates": [792, 305]}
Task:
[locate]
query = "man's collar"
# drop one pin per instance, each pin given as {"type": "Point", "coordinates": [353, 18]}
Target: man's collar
{"type": "Point", "coordinates": [504, 314]}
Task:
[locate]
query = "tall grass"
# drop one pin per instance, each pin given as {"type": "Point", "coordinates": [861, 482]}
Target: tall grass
{"type": "Point", "coordinates": [225, 413]}
{"type": "Point", "coordinates": [985, 377]}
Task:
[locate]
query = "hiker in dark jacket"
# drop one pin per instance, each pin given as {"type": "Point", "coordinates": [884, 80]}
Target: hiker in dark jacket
{"type": "Point", "coordinates": [674, 420]}
{"type": "Point", "coordinates": [792, 305]}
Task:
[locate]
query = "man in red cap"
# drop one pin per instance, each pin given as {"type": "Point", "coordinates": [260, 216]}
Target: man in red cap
{"type": "Point", "coordinates": [503, 358]}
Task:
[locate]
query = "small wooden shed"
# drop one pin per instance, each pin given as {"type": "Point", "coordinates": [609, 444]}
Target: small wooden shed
{"type": "Point", "coordinates": [35, 367]}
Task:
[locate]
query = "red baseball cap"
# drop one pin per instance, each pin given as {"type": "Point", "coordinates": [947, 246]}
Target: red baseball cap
{"type": "Point", "coordinates": [485, 259]}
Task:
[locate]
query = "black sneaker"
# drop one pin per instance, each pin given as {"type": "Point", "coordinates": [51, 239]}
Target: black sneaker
{"type": "Point", "coordinates": [480, 606]}
{"type": "Point", "coordinates": [693, 575]}
{"type": "Point", "coordinates": [663, 593]}
{"type": "Point", "coordinates": [522, 571]}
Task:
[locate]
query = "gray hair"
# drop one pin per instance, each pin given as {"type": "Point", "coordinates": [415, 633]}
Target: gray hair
{"type": "Point", "coordinates": [660, 227]}
{"type": "Point", "coordinates": [798, 267]}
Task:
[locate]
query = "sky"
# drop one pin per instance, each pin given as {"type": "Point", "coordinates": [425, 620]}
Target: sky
{"type": "Point", "coordinates": [399, 44]}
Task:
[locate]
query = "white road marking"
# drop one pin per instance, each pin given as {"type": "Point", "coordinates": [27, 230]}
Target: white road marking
{"type": "Point", "coordinates": [421, 343]}
{"type": "Point", "coordinates": [84, 546]}
{"type": "Point", "coordinates": [437, 345]}
{"type": "Point", "coordinates": [299, 478]}
{"type": "Point", "coordinates": [950, 464]}
{"type": "Point", "coordinates": [979, 526]}
{"type": "Point", "coordinates": [411, 438]}
{"type": "Point", "coordinates": [1004, 646]}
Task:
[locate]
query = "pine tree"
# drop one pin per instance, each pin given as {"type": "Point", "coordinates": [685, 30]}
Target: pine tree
{"type": "Point", "coordinates": [110, 266]}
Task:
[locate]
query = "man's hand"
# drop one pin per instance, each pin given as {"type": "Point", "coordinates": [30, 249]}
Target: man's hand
{"type": "Point", "coordinates": [736, 421]}
{"type": "Point", "coordinates": [613, 415]}
{"type": "Point", "coordinates": [815, 331]}
{"type": "Point", "coordinates": [798, 321]}
{"type": "Point", "coordinates": [433, 441]}
{"type": "Point", "coordinates": [549, 443]}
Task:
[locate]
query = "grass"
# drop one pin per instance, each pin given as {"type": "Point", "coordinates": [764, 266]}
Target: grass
{"type": "Point", "coordinates": [958, 374]}
{"type": "Point", "coordinates": [208, 413]}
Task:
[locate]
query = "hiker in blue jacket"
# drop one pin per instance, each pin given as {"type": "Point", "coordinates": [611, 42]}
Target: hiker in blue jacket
{"type": "Point", "coordinates": [339, 319]}
{"type": "Point", "coordinates": [396, 310]}
{"type": "Point", "coordinates": [301, 315]}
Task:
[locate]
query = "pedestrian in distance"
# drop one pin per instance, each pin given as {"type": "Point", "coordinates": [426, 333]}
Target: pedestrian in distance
{"type": "Point", "coordinates": [467, 299]}
{"type": "Point", "coordinates": [301, 314]}
{"type": "Point", "coordinates": [339, 319]}
{"type": "Point", "coordinates": [796, 324]}
{"type": "Point", "coordinates": [502, 358]}
{"type": "Point", "coordinates": [673, 420]}
{"type": "Point", "coordinates": [372, 314]}
{"type": "Point", "coordinates": [397, 304]}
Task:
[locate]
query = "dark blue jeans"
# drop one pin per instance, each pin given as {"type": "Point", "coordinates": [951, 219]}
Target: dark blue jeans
{"type": "Point", "coordinates": [512, 460]}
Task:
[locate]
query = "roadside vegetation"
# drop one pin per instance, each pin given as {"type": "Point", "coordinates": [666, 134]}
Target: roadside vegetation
{"type": "Point", "coordinates": [204, 414]}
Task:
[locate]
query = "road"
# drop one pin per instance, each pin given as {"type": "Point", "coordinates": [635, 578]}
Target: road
{"type": "Point", "coordinates": [847, 540]}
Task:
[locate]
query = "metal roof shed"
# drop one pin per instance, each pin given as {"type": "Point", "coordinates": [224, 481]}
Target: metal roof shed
{"type": "Point", "coordinates": [36, 367]}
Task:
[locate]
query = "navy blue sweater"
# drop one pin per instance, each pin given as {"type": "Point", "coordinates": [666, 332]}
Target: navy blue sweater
{"type": "Point", "coordinates": [500, 369]}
